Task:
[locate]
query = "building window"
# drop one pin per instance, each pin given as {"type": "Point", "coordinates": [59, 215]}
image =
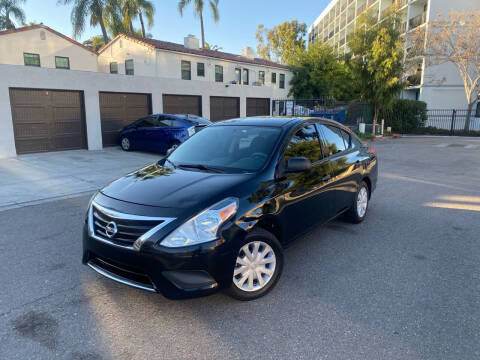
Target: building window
{"type": "Point", "coordinates": [62, 62]}
{"type": "Point", "coordinates": [261, 77]}
{"type": "Point", "coordinates": [186, 70]}
{"type": "Point", "coordinates": [113, 68]}
{"type": "Point", "coordinates": [200, 69]}
{"type": "Point", "coordinates": [282, 81]}
{"type": "Point", "coordinates": [238, 76]}
{"type": "Point", "coordinates": [129, 67]}
{"type": "Point", "coordinates": [218, 73]}
{"type": "Point", "coordinates": [274, 78]}
{"type": "Point", "coordinates": [245, 76]}
{"type": "Point", "coordinates": [31, 59]}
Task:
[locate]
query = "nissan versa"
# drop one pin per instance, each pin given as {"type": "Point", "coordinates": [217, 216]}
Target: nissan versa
{"type": "Point", "coordinates": [217, 212]}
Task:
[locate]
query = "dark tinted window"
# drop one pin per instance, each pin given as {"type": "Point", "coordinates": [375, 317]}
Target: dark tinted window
{"type": "Point", "coordinates": [31, 59]}
{"type": "Point", "coordinates": [245, 76]}
{"type": "Point", "coordinates": [230, 148]}
{"type": "Point", "coordinates": [238, 76]}
{"type": "Point", "coordinates": [149, 121]}
{"type": "Point", "coordinates": [356, 143]}
{"type": "Point", "coordinates": [304, 144]}
{"type": "Point", "coordinates": [274, 78]}
{"type": "Point", "coordinates": [62, 62]}
{"type": "Point", "coordinates": [200, 69]}
{"type": "Point", "coordinates": [332, 139]}
{"type": "Point", "coordinates": [346, 138]}
{"type": "Point", "coordinates": [129, 70]}
{"type": "Point", "coordinates": [282, 81]}
{"type": "Point", "coordinates": [113, 68]}
{"type": "Point", "coordinates": [218, 73]}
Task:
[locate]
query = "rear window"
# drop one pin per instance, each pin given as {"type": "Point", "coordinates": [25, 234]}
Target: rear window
{"type": "Point", "coordinates": [333, 141]}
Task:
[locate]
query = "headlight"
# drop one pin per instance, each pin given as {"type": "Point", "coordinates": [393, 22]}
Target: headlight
{"type": "Point", "coordinates": [203, 227]}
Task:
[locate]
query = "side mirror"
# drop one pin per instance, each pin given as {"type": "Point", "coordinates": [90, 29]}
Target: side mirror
{"type": "Point", "coordinates": [298, 164]}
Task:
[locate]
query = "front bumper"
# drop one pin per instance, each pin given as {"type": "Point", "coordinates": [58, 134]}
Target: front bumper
{"type": "Point", "coordinates": [175, 273]}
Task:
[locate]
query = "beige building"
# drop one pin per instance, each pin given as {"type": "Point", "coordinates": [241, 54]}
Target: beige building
{"type": "Point", "coordinates": [440, 87]}
{"type": "Point", "coordinates": [46, 108]}
{"type": "Point", "coordinates": [41, 46]}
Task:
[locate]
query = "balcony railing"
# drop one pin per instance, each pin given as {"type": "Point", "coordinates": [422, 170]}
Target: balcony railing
{"type": "Point", "coordinates": [361, 9]}
{"type": "Point", "coordinates": [350, 18]}
{"type": "Point", "coordinates": [371, 2]}
{"type": "Point", "coordinates": [418, 20]}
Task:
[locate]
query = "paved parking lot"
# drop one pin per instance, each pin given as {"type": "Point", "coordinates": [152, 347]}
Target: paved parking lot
{"type": "Point", "coordinates": [404, 284]}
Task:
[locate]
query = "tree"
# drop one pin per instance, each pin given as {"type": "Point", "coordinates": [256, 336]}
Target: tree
{"type": "Point", "coordinates": [212, 47]}
{"type": "Point", "coordinates": [317, 73]}
{"type": "Point", "coordinates": [198, 10]}
{"type": "Point", "coordinates": [455, 39]}
{"type": "Point", "coordinates": [87, 8]}
{"type": "Point", "coordinates": [95, 43]}
{"type": "Point", "coordinates": [282, 42]}
{"type": "Point", "coordinates": [377, 62]}
{"type": "Point", "coordinates": [131, 9]}
{"type": "Point", "coordinates": [9, 9]}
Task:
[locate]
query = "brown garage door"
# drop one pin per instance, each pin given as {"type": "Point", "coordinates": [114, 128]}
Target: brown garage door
{"type": "Point", "coordinates": [258, 107]}
{"type": "Point", "coordinates": [223, 108]}
{"type": "Point", "coordinates": [47, 120]}
{"type": "Point", "coordinates": [182, 104]}
{"type": "Point", "coordinates": [120, 109]}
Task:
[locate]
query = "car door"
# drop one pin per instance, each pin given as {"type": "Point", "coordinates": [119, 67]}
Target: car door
{"type": "Point", "coordinates": [305, 199]}
{"type": "Point", "coordinates": [139, 137]}
{"type": "Point", "coordinates": [158, 136]}
{"type": "Point", "coordinates": [344, 164]}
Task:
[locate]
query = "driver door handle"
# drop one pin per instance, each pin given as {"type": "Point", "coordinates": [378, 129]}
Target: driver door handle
{"type": "Point", "coordinates": [326, 177]}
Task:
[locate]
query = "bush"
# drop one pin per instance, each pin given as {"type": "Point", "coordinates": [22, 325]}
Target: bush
{"type": "Point", "coordinates": [430, 130]}
{"type": "Point", "coordinates": [405, 116]}
{"type": "Point", "coordinates": [364, 136]}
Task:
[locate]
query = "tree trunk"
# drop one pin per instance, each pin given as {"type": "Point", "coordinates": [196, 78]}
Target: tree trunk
{"type": "Point", "coordinates": [140, 16]}
{"type": "Point", "coordinates": [469, 117]}
{"type": "Point", "coordinates": [203, 31]}
{"type": "Point", "coordinates": [132, 31]}
{"type": "Point", "coordinates": [104, 32]}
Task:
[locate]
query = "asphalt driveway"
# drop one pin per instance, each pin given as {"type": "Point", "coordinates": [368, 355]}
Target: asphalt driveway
{"type": "Point", "coordinates": [35, 178]}
{"type": "Point", "coordinates": [404, 284]}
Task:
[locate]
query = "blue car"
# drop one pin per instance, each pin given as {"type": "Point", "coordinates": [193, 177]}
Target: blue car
{"type": "Point", "coordinates": [160, 132]}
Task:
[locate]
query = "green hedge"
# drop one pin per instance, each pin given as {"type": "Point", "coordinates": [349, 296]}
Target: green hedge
{"type": "Point", "coordinates": [405, 116]}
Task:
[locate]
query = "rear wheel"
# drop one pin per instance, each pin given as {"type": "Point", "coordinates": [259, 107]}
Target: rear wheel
{"type": "Point", "coordinates": [125, 143]}
{"type": "Point", "coordinates": [258, 266]}
{"type": "Point", "coordinates": [359, 208]}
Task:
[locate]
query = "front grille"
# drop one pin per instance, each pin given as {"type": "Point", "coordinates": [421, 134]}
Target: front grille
{"type": "Point", "coordinates": [127, 230]}
{"type": "Point", "coordinates": [121, 271]}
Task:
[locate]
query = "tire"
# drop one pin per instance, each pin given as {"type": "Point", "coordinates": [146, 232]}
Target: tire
{"type": "Point", "coordinates": [358, 210]}
{"type": "Point", "coordinates": [125, 144]}
{"type": "Point", "coordinates": [251, 288]}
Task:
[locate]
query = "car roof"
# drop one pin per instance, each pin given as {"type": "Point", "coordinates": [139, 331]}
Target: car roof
{"type": "Point", "coordinates": [276, 121]}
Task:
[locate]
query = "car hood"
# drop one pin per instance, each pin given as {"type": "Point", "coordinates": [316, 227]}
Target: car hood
{"type": "Point", "coordinates": [155, 185]}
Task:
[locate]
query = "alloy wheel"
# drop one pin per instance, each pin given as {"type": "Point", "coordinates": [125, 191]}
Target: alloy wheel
{"type": "Point", "coordinates": [254, 267]}
{"type": "Point", "coordinates": [362, 202]}
{"type": "Point", "coordinates": [125, 144]}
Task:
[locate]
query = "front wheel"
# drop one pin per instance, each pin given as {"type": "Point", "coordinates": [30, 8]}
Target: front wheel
{"type": "Point", "coordinates": [258, 266]}
{"type": "Point", "coordinates": [358, 210]}
{"type": "Point", "coordinates": [125, 143]}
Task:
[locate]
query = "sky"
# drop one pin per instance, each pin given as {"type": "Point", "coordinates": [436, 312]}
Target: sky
{"type": "Point", "coordinates": [235, 30]}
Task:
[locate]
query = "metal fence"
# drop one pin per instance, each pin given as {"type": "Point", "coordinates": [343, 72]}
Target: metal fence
{"type": "Point", "coordinates": [451, 120]}
{"type": "Point", "coordinates": [349, 114]}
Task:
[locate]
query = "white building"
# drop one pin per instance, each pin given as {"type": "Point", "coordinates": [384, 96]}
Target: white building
{"type": "Point", "coordinates": [48, 106]}
{"type": "Point", "coordinates": [440, 87]}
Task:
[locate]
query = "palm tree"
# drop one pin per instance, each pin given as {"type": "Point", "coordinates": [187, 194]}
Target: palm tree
{"type": "Point", "coordinates": [133, 8]}
{"type": "Point", "coordinates": [84, 8]}
{"type": "Point", "coordinates": [198, 10]}
{"type": "Point", "coordinates": [11, 8]}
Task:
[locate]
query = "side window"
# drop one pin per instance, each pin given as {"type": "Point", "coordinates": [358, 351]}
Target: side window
{"type": "Point", "coordinates": [346, 139]}
{"type": "Point", "coordinates": [149, 121]}
{"type": "Point", "coordinates": [332, 140]}
{"type": "Point", "coordinates": [304, 144]}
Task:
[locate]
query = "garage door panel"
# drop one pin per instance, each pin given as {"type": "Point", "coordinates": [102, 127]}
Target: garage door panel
{"type": "Point", "coordinates": [182, 104]}
{"type": "Point", "coordinates": [223, 108]}
{"type": "Point", "coordinates": [258, 106]}
{"type": "Point", "coordinates": [118, 110]}
{"type": "Point", "coordinates": [47, 120]}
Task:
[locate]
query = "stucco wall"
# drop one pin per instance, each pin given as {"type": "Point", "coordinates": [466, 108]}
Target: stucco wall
{"type": "Point", "coordinates": [13, 46]}
{"type": "Point", "coordinates": [92, 83]}
{"type": "Point", "coordinates": [168, 64]}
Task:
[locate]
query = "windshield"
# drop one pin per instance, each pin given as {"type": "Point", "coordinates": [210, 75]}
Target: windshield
{"type": "Point", "coordinates": [227, 148]}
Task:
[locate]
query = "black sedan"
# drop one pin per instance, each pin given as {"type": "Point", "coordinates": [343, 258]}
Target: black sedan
{"type": "Point", "coordinates": [219, 210]}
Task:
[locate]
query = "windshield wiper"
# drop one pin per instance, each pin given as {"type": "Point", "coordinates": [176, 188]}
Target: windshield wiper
{"type": "Point", "coordinates": [201, 167]}
{"type": "Point", "coordinates": [171, 162]}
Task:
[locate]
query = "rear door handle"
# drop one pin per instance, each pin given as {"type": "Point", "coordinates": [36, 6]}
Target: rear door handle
{"type": "Point", "coordinates": [326, 177]}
